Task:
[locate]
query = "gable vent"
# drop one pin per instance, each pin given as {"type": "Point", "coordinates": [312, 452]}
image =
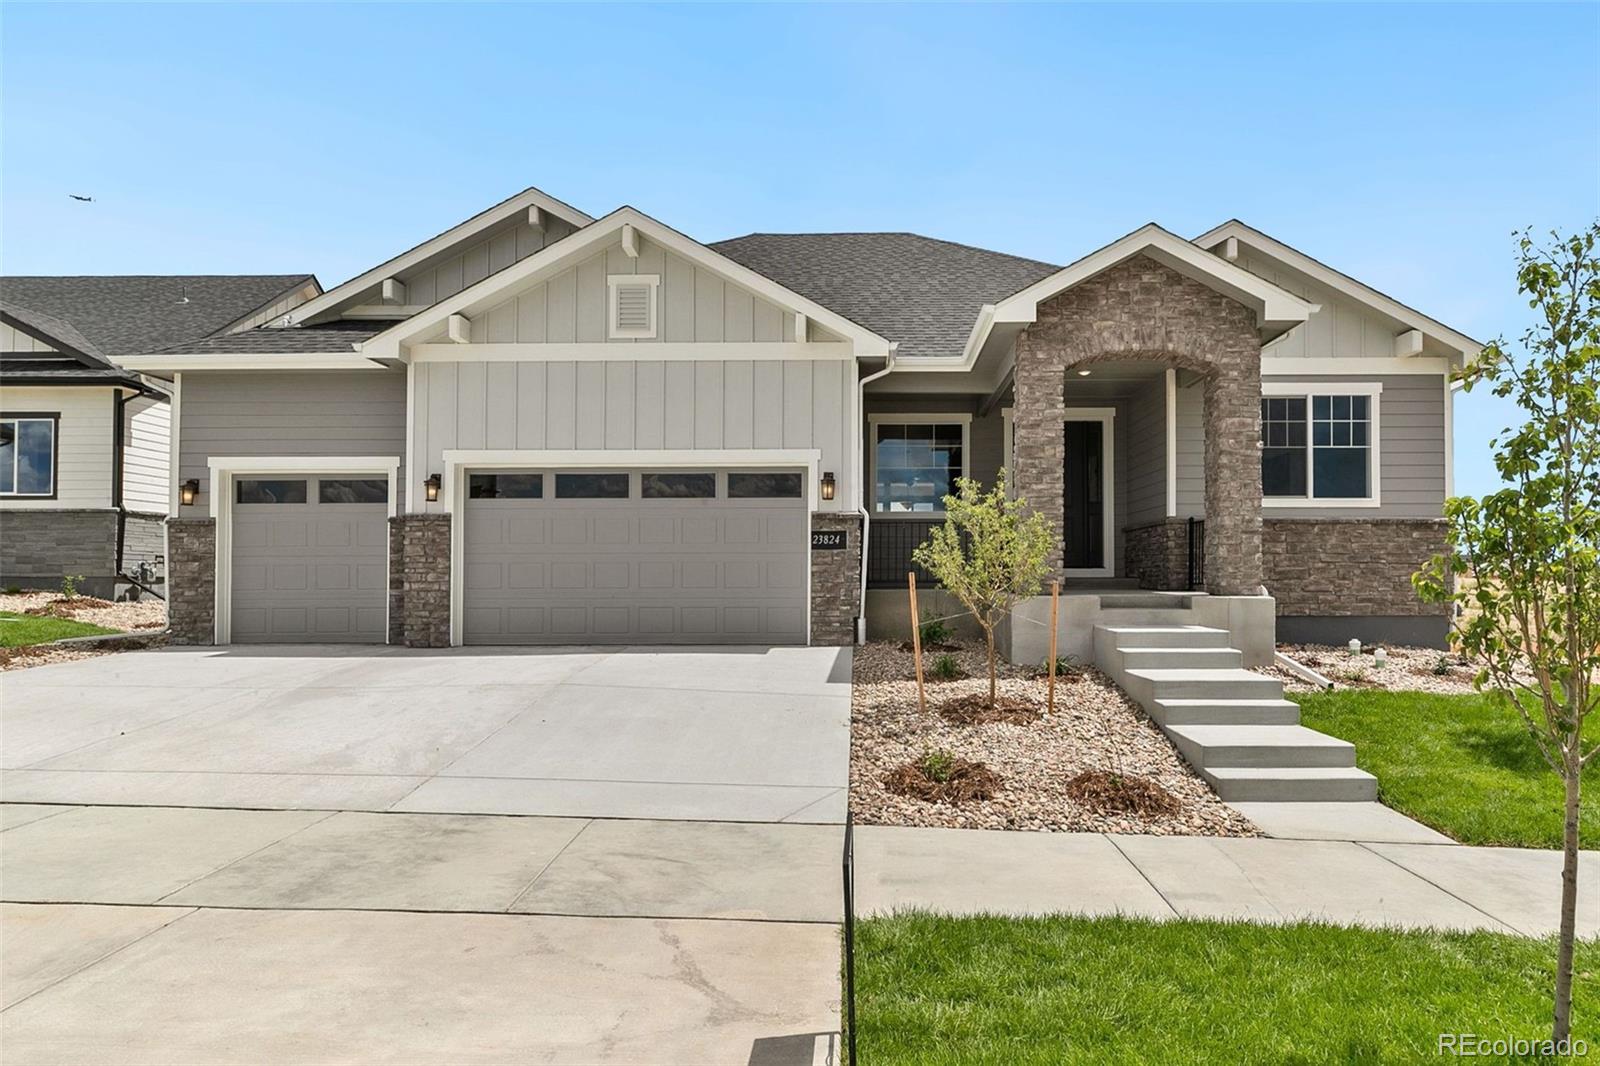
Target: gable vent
{"type": "Point", "coordinates": [633, 305]}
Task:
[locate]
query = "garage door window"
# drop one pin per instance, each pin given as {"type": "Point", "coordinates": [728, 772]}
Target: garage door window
{"type": "Point", "coordinates": [505, 486]}
{"type": "Point", "coordinates": [678, 486]}
{"type": "Point", "coordinates": [353, 490]}
{"type": "Point", "coordinates": [592, 486]}
{"type": "Point", "coordinates": [747, 486]}
{"type": "Point", "coordinates": [249, 490]}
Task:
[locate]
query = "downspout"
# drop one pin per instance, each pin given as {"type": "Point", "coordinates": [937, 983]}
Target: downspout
{"type": "Point", "coordinates": [119, 410]}
{"type": "Point", "coordinates": [861, 490]}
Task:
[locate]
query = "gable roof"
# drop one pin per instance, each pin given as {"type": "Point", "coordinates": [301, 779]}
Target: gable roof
{"type": "Point", "coordinates": [920, 291]}
{"type": "Point", "coordinates": [1339, 282]}
{"type": "Point", "coordinates": [440, 242]}
{"type": "Point", "coordinates": [61, 336]}
{"type": "Point", "coordinates": [129, 313]}
{"type": "Point", "coordinates": [542, 264]}
{"type": "Point", "coordinates": [329, 337]}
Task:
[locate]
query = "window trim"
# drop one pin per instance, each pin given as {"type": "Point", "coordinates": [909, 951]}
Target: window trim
{"type": "Point", "coordinates": [616, 281]}
{"type": "Point", "coordinates": [54, 418]}
{"type": "Point", "coordinates": [1306, 390]}
{"type": "Point", "coordinates": [912, 419]}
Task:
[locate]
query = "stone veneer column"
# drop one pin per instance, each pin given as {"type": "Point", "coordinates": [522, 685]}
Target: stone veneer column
{"type": "Point", "coordinates": [419, 580]}
{"type": "Point", "coordinates": [835, 581]}
{"type": "Point", "coordinates": [1143, 310]}
{"type": "Point", "coordinates": [191, 580]}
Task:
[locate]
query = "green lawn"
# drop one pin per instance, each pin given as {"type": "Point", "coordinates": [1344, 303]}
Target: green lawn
{"type": "Point", "coordinates": [1462, 764]}
{"type": "Point", "coordinates": [934, 990]}
{"type": "Point", "coordinates": [19, 630]}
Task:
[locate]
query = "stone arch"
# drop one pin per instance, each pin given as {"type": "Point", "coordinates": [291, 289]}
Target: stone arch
{"type": "Point", "coordinates": [1143, 310]}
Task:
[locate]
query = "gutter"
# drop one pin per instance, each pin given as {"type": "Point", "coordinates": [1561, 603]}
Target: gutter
{"type": "Point", "coordinates": [861, 489]}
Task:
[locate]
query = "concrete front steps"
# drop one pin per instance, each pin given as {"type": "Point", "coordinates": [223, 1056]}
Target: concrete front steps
{"type": "Point", "coordinates": [1232, 725]}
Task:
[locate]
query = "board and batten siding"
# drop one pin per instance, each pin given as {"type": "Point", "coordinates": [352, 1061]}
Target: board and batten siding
{"type": "Point", "coordinates": [83, 442]}
{"type": "Point", "coordinates": [692, 304]}
{"type": "Point", "coordinates": [14, 340]}
{"type": "Point", "coordinates": [1340, 328]}
{"type": "Point", "coordinates": [287, 413]}
{"type": "Point", "coordinates": [146, 454]}
{"type": "Point", "coordinates": [1147, 454]}
{"type": "Point", "coordinates": [672, 406]}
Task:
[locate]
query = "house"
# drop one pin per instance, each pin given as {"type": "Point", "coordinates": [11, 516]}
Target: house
{"type": "Point", "coordinates": [543, 427]}
{"type": "Point", "coordinates": [84, 442]}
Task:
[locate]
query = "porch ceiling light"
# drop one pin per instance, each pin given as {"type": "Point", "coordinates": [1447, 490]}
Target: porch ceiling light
{"type": "Point", "coordinates": [432, 487]}
{"type": "Point", "coordinates": [188, 491]}
{"type": "Point", "coordinates": [1085, 373]}
{"type": "Point", "coordinates": [827, 485]}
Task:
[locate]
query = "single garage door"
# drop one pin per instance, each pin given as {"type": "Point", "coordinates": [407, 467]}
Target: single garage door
{"type": "Point", "coordinates": [636, 557]}
{"type": "Point", "coordinates": [310, 559]}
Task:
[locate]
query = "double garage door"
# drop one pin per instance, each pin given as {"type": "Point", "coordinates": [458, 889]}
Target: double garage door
{"type": "Point", "coordinates": [548, 557]}
{"type": "Point", "coordinates": [635, 557]}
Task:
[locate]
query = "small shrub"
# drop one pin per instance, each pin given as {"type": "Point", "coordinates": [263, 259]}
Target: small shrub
{"type": "Point", "coordinates": [935, 632]}
{"type": "Point", "coordinates": [936, 765]}
{"type": "Point", "coordinates": [1067, 668]}
{"type": "Point", "coordinates": [13, 590]}
{"type": "Point", "coordinates": [69, 585]}
{"type": "Point", "coordinates": [945, 668]}
{"type": "Point", "coordinates": [1442, 667]}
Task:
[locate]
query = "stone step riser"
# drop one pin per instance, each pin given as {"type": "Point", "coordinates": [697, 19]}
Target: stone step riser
{"type": "Point", "coordinates": [1169, 637]}
{"type": "Point", "coordinates": [1177, 659]}
{"type": "Point", "coordinates": [1147, 692]}
{"type": "Point", "coordinates": [1262, 756]}
{"type": "Point", "coordinates": [1223, 712]}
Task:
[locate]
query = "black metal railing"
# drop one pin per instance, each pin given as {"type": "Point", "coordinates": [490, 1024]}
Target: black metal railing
{"type": "Point", "coordinates": [890, 542]}
{"type": "Point", "coordinates": [1197, 553]}
{"type": "Point", "coordinates": [849, 871]}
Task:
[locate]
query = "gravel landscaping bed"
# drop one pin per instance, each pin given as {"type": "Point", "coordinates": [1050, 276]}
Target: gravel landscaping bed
{"type": "Point", "coordinates": [1408, 669]}
{"type": "Point", "coordinates": [145, 615]}
{"type": "Point", "coordinates": [1095, 728]}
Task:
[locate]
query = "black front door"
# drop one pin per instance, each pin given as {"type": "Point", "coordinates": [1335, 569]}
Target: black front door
{"type": "Point", "coordinates": [1084, 496]}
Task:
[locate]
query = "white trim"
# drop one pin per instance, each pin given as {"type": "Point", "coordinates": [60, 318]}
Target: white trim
{"type": "Point", "coordinates": [411, 436]}
{"type": "Point", "coordinates": [243, 361]}
{"type": "Point", "coordinates": [459, 329]}
{"type": "Point", "coordinates": [1365, 367]}
{"type": "Point", "coordinates": [505, 209]}
{"type": "Point", "coordinates": [1308, 389]}
{"type": "Point", "coordinates": [458, 461]}
{"type": "Point", "coordinates": [1008, 449]}
{"type": "Point", "coordinates": [174, 430]}
{"type": "Point", "coordinates": [524, 352]}
{"type": "Point", "coordinates": [1106, 416]}
{"type": "Point", "coordinates": [1341, 283]}
{"type": "Point", "coordinates": [614, 282]}
{"type": "Point", "coordinates": [1449, 439]}
{"type": "Point", "coordinates": [603, 233]}
{"type": "Point", "coordinates": [1171, 383]}
{"type": "Point", "coordinates": [223, 469]}
{"type": "Point", "coordinates": [870, 489]}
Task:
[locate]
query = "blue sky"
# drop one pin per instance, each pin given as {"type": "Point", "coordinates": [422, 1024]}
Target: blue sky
{"type": "Point", "coordinates": [1401, 144]}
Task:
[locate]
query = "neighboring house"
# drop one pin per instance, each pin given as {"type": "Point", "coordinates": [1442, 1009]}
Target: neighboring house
{"type": "Point", "coordinates": [540, 427]}
{"type": "Point", "coordinates": [85, 445]}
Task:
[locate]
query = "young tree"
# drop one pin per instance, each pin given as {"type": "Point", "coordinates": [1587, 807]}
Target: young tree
{"type": "Point", "coordinates": [1530, 615]}
{"type": "Point", "coordinates": [990, 553]}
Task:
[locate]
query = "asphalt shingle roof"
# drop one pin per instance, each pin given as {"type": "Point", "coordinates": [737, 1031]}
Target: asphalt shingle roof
{"type": "Point", "coordinates": [922, 292]}
{"type": "Point", "coordinates": [134, 314]}
{"type": "Point", "coordinates": [288, 340]}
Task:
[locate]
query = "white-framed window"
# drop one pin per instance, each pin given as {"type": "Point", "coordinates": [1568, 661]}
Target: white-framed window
{"type": "Point", "coordinates": [1319, 444]}
{"type": "Point", "coordinates": [28, 454]}
{"type": "Point", "coordinates": [916, 460]}
{"type": "Point", "coordinates": [631, 306]}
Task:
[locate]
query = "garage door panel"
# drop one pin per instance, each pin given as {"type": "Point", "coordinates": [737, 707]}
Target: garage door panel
{"type": "Point", "coordinates": [310, 571]}
{"type": "Point", "coordinates": [658, 570]}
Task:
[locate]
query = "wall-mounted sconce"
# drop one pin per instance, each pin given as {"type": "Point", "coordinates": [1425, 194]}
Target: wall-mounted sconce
{"type": "Point", "coordinates": [432, 487]}
{"type": "Point", "coordinates": [827, 485]}
{"type": "Point", "coordinates": [188, 491]}
{"type": "Point", "coordinates": [1085, 373]}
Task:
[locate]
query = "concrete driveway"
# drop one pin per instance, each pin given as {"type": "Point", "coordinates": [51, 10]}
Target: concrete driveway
{"type": "Point", "coordinates": [719, 734]}
{"type": "Point", "coordinates": [300, 856]}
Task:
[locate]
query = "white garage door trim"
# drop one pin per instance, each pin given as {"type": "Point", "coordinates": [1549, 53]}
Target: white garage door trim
{"type": "Point", "coordinates": [457, 461]}
{"type": "Point", "coordinates": [224, 468]}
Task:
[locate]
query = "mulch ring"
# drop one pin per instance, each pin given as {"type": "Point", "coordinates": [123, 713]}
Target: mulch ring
{"type": "Point", "coordinates": [965, 781]}
{"type": "Point", "coordinates": [976, 709]}
{"type": "Point", "coordinates": [63, 608]}
{"type": "Point", "coordinates": [1103, 791]}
